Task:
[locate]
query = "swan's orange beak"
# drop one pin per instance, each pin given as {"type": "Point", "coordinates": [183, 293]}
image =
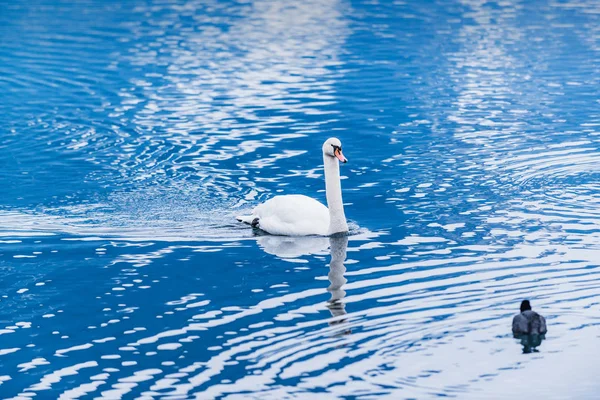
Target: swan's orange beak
{"type": "Point", "coordinates": [340, 156]}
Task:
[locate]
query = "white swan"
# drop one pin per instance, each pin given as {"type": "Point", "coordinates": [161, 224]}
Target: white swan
{"type": "Point", "coordinates": [298, 215]}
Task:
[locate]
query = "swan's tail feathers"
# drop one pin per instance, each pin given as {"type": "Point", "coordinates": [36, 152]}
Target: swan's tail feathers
{"type": "Point", "coordinates": [247, 219]}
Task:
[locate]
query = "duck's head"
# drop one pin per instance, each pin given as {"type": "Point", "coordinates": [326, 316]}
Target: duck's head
{"type": "Point", "coordinates": [333, 148]}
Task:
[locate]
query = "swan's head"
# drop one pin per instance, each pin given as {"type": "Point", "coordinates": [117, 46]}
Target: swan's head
{"type": "Point", "coordinates": [333, 148]}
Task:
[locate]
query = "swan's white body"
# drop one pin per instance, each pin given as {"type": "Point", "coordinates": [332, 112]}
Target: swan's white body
{"type": "Point", "coordinates": [298, 215]}
{"type": "Point", "coordinates": [292, 215]}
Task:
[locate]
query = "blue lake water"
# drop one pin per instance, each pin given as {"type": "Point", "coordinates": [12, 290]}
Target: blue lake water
{"type": "Point", "coordinates": [131, 135]}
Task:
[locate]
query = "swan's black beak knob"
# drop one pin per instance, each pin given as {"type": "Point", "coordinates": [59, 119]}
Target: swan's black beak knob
{"type": "Point", "coordinates": [340, 156]}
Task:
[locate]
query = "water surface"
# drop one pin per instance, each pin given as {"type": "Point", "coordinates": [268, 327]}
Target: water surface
{"type": "Point", "coordinates": [131, 135]}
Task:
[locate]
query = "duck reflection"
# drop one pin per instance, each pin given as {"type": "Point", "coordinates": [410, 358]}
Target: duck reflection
{"type": "Point", "coordinates": [338, 246]}
{"type": "Point", "coordinates": [530, 342]}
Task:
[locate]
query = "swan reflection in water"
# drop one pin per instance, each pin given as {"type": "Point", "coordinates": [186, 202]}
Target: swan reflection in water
{"type": "Point", "coordinates": [338, 245]}
{"type": "Point", "coordinates": [293, 247]}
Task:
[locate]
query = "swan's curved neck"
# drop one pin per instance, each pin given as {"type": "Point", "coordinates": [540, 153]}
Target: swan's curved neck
{"type": "Point", "coordinates": [333, 189]}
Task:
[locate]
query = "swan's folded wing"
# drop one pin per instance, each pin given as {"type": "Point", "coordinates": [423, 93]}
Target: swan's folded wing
{"type": "Point", "coordinates": [293, 215]}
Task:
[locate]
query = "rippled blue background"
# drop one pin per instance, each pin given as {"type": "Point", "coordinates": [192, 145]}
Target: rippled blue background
{"type": "Point", "coordinates": [132, 133]}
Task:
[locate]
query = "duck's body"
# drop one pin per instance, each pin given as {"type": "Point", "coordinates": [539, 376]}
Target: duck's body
{"type": "Point", "coordinates": [529, 323]}
{"type": "Point", "coordinates": [298, 215]}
